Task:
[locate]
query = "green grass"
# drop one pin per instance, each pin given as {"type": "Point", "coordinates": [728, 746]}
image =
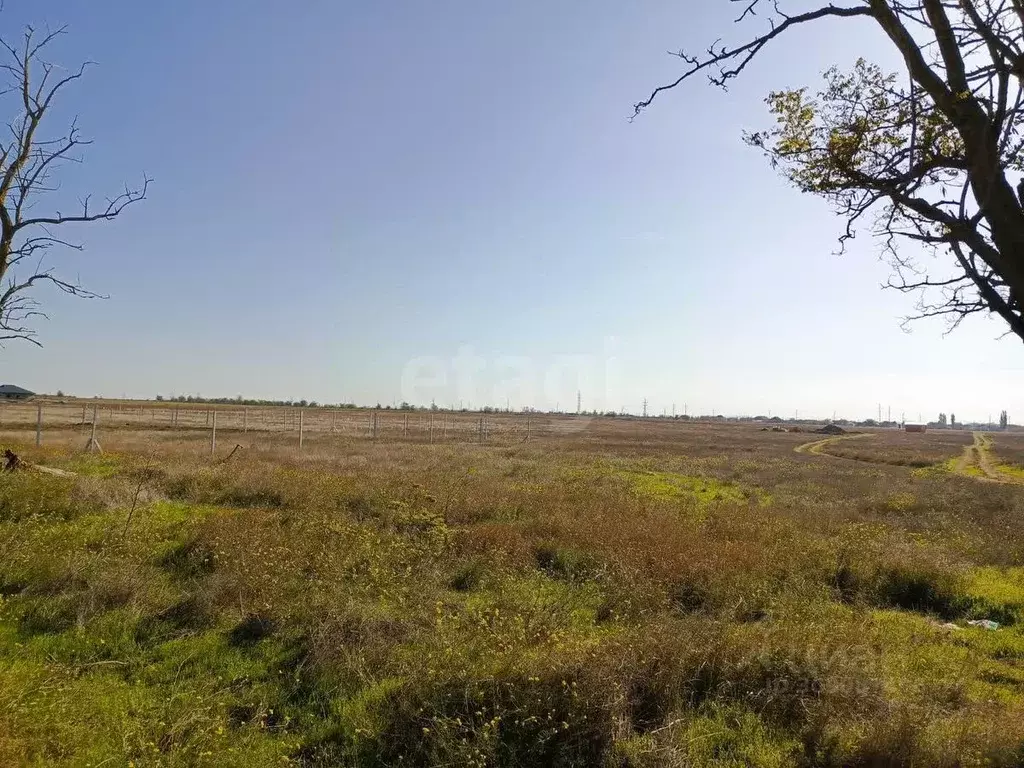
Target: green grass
{"type": "Point", "coordinates": [669, 485]}
{"type": "Point", "coordinates": [509, 607]}
{"type": "Point", "coordinates": [1012, 471]}
{"type": "Point", "coordinates": [704, 489]}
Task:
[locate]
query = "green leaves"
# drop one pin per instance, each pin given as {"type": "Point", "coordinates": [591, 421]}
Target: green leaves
{"type": "Point", "coordinates": [863, 131]}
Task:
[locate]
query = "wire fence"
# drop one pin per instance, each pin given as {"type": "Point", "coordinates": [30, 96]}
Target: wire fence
{"type": "Point", "coordinates": [300, 424]}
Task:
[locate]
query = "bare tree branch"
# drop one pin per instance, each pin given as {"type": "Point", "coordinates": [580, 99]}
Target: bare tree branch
{"type": "Point", "coordinates": [936, 151]}
{"type": "Point", "coordinates": [730, 62]}
{"type": "Point", "coordinates": [28, 163]}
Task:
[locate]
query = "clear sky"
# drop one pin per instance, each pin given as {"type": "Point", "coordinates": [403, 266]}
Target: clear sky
{"type": "Point", "coordinates": [374, 201]}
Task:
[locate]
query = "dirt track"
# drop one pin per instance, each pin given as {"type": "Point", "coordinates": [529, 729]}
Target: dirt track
{"type": "Point", "coordinates": [976, 461]}
{"type": "Point", "coordinates": [816, 446]}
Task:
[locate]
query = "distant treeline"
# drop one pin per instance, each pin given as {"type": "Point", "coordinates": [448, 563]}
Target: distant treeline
{"type": "Point", "coordinates": [199, 400]}
{"type": "Point", "coordinates": [942, 423]}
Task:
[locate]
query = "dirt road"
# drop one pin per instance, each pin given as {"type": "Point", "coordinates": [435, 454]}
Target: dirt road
{"type": "Point", "coordinates": [978, 462]}
{"type": "Point", "coordinates": [816, 446]}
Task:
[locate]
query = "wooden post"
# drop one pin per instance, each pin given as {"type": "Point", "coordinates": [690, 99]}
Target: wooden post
{"type": "Point", "coordinates": [431, 427]}
{"type": "Point", "coordinates": [207, 418]}
{"type": "Point", "coordinates": [481, 429]}
{"type": "Point", "coordinates": [213, 435]}
{"type": "Point", "coordinates": [83, 415]}
{"type": "Point", "coordinates": [93, 445]}
{"type": "Point", "coordinates": [39, 424]}
{"type": "Point", "coordinates": [300, 428]}
{"type": "Point", "coordinates": [405, 430]}
{"type": "Point", "coordinates": [375, 424]}
{"type": "Point", "coordinates": [444, 428]}
{"type": "Point", "coordinates": [245, 420]}
{"type": "Point", "coordinates": [369, 426]}
{"type": "Point", "coordinates": [527, 429]}
{"type": "Point", "coordinates": [334, 420]}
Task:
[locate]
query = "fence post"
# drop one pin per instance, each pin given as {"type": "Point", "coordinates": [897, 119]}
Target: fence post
{"type": "Point", "coordinates": [300, 428]}
{"type": "Point", "coordinates": [245, 420]}
{"type": "Point", "coordinates": [83, 415]}
{"type": "Point", "coordinates": [405, 430]}
{"type": "Point", "coordinates": [431, 427]}
{"type": "Point", "coordinates": [527, 429]}
{"type": "Point", "coordinates": [92, 445]}
{"type": "Point", "coordinates": [334, 420]}
{"type": "Point", "coordinates": [375, 425]}
{"type": "Point", "coordinates": [39, 424]}
{"type": "Point", "coordinates": [481, 429]}
{"type": "Point", "coordinates": [444, 428]}
{"type": "Point", "coordinates": [213, 433]}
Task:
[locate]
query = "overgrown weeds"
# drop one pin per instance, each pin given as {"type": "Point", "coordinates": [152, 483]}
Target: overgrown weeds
{"type": "Point", "coordinates": [696, 599]}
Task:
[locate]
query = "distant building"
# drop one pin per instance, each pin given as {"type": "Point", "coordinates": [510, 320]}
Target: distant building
{"type": "Point", "coordinates": [11, 392]}
{"type": "Point", "coordinates": [915, 427]}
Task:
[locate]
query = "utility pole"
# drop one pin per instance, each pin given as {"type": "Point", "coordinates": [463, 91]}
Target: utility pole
{"type": "Point", "coordinates": [673, 410]}
{"type": "Point", "coordinates": [645, 407]}
{"type": "Point", "coordinates": [579, 402]}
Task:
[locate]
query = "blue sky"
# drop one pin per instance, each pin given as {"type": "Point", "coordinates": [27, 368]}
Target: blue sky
{"type": "Point", "coordinates": [353, 199]}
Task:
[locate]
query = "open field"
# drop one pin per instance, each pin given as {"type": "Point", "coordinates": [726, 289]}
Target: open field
{"type": "Point", "coordinates": [611, 592]}
{"type": "Point", "coordinates": [1009, 448]}
{"type": "Point", "coordinates": [904, 449]}
{"type": "Point", "coordinates": [274, 421]}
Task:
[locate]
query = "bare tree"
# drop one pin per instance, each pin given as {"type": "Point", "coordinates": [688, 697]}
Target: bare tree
{"type": "Point", "coordinates": [928, 157]}
{"type": "Point", "coordinates": [29, 161]}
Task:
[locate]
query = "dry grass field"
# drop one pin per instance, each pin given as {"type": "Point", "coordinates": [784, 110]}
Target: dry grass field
{"type": "Point", "coordinates": [612, 592]}
{"type": "Point", "coordinates": [1010, 449]}
{"type": "Point", "coordinates": [904, 449]}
